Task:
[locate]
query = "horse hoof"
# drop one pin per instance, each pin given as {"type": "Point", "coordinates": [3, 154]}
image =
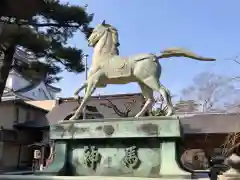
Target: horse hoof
{"type": "Point", "coordinates": [137, 116]}
{"type": "Point", "coordinates": [170, 112]}
{"type": "Point", "coordinates": [76, 97]}
{"type": "Point", "coordinates": [72, 118]}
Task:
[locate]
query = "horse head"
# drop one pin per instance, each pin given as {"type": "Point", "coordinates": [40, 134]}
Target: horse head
{"type": "Point", "coordinates": [100, 30]}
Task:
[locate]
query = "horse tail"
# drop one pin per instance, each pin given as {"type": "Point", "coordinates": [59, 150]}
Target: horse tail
{"type": "Point", "coordinates": [180, 52]}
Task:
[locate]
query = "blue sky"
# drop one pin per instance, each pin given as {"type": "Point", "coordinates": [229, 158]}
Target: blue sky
{"type": "Point", "coordinates": [209, 28]}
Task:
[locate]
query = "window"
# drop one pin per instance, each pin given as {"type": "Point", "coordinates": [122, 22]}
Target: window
{"type": "Point", "coordinates": [16, 115]}
{"type": "Point", "coordinates": [195, 158]}
{"type": "Point", "coordinates": [28, 116]}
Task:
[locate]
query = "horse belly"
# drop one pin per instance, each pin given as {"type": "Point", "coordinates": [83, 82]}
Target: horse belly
{"type": "Point", "coordinates": [120, 80]}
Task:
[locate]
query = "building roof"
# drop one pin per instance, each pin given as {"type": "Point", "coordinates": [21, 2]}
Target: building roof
{"type": "Point", "coordinates": [53, 88]}
{"type": "Point", "coordinates": [47, 105]}
{"type": "Point", "coordinates": [210, 123]}
{"type": "Point", "coordinates": [107, 96]}
{"type": "Point", "coordinates": [23, 103]}
{"type": "Point", "coordinates": [9, 94]}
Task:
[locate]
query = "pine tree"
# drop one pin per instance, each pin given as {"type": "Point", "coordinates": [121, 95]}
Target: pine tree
{"type": "Point", "coordinates": [45, 33]}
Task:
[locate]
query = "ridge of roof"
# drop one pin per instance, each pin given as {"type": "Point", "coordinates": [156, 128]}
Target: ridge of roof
{"type": "Point", "coordinates": [54, 88]}
{"type": "Point", "coordinates": [124, 95]}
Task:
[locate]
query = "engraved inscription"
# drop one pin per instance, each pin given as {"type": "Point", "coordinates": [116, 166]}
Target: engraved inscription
{"type": "Point", "coordinates": [91, 157]}
{"type": "Point", "coordinates": [131, 159]}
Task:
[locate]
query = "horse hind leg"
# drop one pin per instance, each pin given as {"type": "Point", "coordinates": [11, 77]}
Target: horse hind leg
{"type": "Point", "coordinates": [153, 83]}
{"type": "Point", "coordinates": [148, 96]}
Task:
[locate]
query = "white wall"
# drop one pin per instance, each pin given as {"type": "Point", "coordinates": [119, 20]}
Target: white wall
{"type": "Point", "coordinates": [16, 82]}
{"type": "Point", "coordinates": [38, 93]}
{"type": "Point", "coordinates": [9, 81]}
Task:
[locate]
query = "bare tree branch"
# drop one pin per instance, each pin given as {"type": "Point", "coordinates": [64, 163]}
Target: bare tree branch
{"type": "Point", "coordinates": [128, 107]}
{"type": "Point", "coordinates": [211, 91]}
{"type": "Point", "coordinates": [159, 107]}
{"type": "Point", "coordinates": [236, 61]}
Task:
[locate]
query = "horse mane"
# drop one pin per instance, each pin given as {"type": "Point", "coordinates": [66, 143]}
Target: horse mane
{"type": "Point", "coordinates": [114, 33]}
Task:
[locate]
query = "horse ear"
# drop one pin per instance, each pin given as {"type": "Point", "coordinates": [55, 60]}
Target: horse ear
{"type": "Point", "coordinates": [103, 23]}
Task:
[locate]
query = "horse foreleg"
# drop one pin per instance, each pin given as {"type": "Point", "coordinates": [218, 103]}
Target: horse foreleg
{"type": "Point", "coordinates": [75, 95]}
{"type": "Point", "coordinates": [91, 86]}
{"type": "Point", "coordinates": [84, 85]}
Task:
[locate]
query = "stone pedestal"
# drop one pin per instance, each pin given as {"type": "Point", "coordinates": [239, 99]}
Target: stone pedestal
{"type": "Point", "coordinates": [129, 147]}
{"type": "Point", "coordinates": [114, 149]}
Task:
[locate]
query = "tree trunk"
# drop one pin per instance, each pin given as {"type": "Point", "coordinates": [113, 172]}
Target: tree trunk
{"type": "Point", "coordinates": [5, 67]}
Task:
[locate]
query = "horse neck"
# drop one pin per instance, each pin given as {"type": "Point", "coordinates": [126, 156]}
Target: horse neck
{"type": "Point", "coordinates": [104, 48]}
